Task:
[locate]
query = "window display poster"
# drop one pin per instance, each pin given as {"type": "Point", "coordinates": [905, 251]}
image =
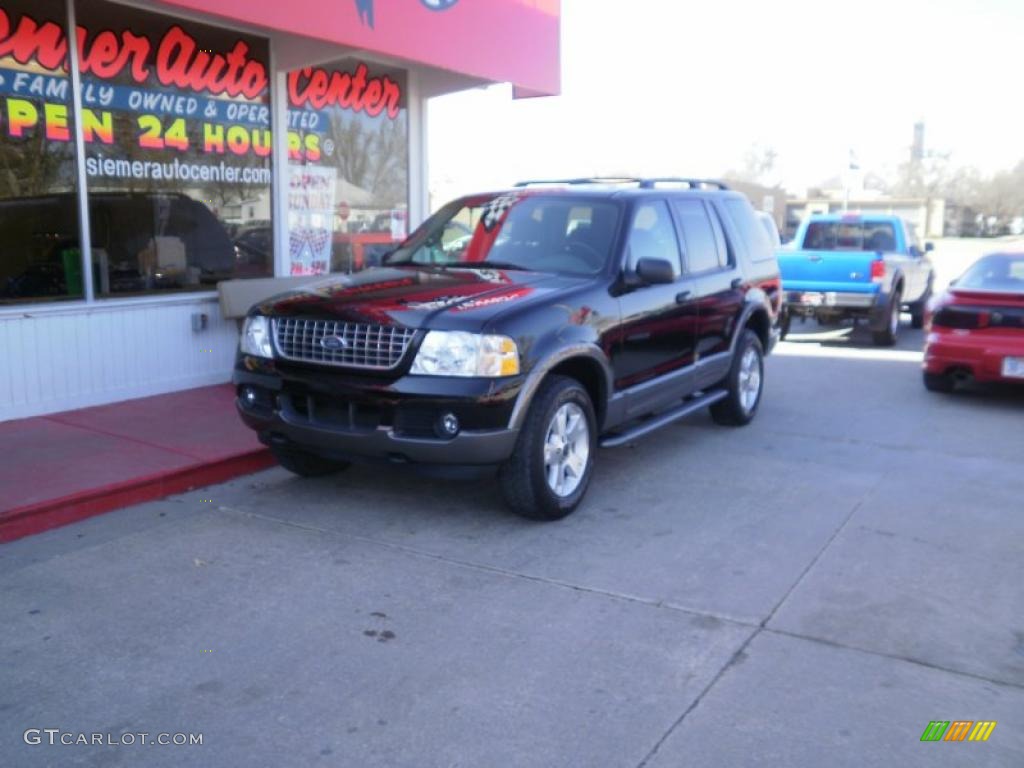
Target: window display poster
{"type": "Point", "coordinates": [310, 218]}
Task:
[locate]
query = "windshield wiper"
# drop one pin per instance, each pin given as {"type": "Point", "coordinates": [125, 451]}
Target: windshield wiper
{"type": "Point", "coordinates": [418, 264]}
{"type": "Point", "coordinates": [487, 265]}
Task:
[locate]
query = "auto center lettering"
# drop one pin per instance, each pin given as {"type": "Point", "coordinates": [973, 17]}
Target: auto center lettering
{"type": "Point", "coordinates": [357, 92]}
{"type": "Point", "coordinates": [225, 86]}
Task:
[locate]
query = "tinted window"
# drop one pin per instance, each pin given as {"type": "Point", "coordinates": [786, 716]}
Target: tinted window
{"type": "Point", "coordinates": [754, 233]}
{"type": "Point", "coordinates": [652, 236]}
{"type": "Point", "coordinates": [700, 243]}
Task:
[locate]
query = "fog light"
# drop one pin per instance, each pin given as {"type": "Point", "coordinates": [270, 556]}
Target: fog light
{"type": "Point", "coordinates": [448, 425]}
{"type": "Point", "coordinates": [250, 396]}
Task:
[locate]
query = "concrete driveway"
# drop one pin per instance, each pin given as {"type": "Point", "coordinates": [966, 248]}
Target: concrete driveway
{"type": "Point", "coordinates": [811, 590]}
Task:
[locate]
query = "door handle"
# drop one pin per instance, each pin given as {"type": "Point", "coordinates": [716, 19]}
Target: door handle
{"type": "Point", "coordinates": [682, 296]}
{"type": "Point", "coordinates": [737, 283]}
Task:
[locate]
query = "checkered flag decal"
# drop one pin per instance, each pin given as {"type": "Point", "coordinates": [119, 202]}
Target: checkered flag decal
{"type": "Point", "coordinates": [494, 211]}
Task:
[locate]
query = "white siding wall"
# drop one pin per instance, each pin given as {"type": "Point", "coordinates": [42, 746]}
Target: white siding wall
{"type": "Point", "coordinates": [56, 360]}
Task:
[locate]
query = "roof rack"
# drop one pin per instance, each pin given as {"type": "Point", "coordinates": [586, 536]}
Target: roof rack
{"type": "Point", "coordinates": [691, 183]}
{"type": "Point", "coordinates": [585, 180]}
{"type": "Point", "coordinates": [648, 183]}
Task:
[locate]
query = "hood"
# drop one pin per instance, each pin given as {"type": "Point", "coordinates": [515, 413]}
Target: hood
{"type": "Point", "coordinates": [413, 297]}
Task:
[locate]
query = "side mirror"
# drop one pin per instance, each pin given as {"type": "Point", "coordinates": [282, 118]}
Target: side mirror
{"type": "Point", "coordinates": [928, 247]}
{"type": "Point", "coordinates": [655, 271]}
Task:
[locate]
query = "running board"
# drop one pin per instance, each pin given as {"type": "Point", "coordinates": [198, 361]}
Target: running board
{"type": "Point", "coordinates": [663, 419]}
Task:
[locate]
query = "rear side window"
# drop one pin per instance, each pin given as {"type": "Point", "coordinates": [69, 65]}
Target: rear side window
{"type": "Point", "coordinates": [753, 232]}
{"type": "Point", "coordinates": [652, 236]}
{"type": "Point", "coordinates": [700, 244]}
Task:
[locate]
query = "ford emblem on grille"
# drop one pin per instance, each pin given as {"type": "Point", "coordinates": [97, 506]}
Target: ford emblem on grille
{"type": "Point", "coordinates": [333, 343]}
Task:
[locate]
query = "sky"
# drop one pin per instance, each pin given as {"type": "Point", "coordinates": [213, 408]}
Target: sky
{"type": "Point", "coordinates": [678, 87]}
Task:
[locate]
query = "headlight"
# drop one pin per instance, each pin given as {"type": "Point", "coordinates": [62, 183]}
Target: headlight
{"type": "Point", "coordinates": [255, 339]}
{"type": "Point", "coordinates": [457, 353]}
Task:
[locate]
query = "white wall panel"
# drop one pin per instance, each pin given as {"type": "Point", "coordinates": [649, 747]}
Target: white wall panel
{"type": "Point", "coordinates": [56, 359]}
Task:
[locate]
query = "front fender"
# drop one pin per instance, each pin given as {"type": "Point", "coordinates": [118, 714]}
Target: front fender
{"type": "Point", "coordinates": [585, 350]}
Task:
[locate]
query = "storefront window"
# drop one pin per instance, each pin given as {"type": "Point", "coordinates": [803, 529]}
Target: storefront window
{"type": "Point", "coordinates": [176, 119]}
{"type": "Point", "coordinates": [40, 258]}
{"type": "Point", "coordinates": [348, 142]}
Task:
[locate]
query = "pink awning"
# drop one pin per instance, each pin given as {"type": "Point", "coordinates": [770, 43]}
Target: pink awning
{"type": "Point", "coordinates": [515, 41]}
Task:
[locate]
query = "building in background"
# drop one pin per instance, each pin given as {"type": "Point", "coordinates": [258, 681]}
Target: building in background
{"type": "Point", "coordinates": [169, 146]}
{"type": "Point", "coordinates": [926, 216]}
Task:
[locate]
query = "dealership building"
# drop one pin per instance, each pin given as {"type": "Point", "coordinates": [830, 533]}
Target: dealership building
{"type": "Point", "coordinates": [167, 147]}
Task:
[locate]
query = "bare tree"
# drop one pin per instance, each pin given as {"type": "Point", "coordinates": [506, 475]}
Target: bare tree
{"type": "Point", "coordinates": [758, 163]}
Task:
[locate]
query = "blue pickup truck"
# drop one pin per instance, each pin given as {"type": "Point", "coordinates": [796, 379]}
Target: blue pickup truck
{"type": "Point", "coordinates": [847, 265]}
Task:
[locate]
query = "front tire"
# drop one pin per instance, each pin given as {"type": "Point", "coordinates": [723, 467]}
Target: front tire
{"type": "Point", "coordinates": [550, 469]}
{"type": "Point", "coordinates": [745, 383]}
{"type": "Point", "coordinates": [305, 464]}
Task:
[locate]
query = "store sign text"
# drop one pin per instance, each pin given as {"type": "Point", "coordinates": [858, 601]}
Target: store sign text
{"type": "Point", "coordinates": [178, 60]}
{"type": "Point", "coordinates": [180, 63]}
{"type": "Point", "coordinates": [22, 117]}
{"type": "Point", "coordinates": [318, 89]}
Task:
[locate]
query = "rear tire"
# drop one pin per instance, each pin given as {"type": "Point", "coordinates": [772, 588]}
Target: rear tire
{"type": "Point", "coordinates": [306, 464]}
{"type": "Point", "coordinates": [938, 382]}
{"type": "Point", "coordinates": [887, 336]}
{"type": "Point", "coordinates": [550, 469]}
{"type": "Point", "coordinates": [745, 383]}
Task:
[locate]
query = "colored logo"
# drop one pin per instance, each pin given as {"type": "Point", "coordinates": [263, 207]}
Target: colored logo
{"type": "Point", "coordinates": [439, 5]}
{"type": "Point", "coordinates": [958, 730]}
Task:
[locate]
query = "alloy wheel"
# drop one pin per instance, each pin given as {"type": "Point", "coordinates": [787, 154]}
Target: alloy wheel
{"type": "Point", "coordinates": [749, 379]}
{"type": "Point", "coordinates": [566, 450]}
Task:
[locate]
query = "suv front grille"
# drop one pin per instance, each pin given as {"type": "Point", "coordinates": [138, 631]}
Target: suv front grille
{"type": "Point", "coordinates": [351, 345]}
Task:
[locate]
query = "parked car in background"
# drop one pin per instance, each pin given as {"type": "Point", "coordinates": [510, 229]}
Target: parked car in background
{"type": "Point", "coordinates": [849, 266]}
{"type": "Point", "coordinates": [976, 328]}
{"type": "Point", "coordinates": [575, 314]}
{"type": "Point", "coordinates": [770, 227]}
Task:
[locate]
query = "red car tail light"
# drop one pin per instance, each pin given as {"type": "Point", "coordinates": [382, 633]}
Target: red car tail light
{"type": "Point", "coordinates": [878, 270]}
{"type": "Point", "coordinates": [961, 317]}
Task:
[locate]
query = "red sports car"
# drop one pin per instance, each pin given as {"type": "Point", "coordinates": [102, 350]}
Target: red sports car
{"type": "Point", "coordinates": [976, 329]}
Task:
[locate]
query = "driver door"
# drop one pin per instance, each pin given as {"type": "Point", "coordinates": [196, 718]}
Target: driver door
{"type": "Point", "coordinates": [655, 353]}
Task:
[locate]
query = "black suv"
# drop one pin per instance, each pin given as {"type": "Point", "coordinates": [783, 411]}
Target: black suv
{"type": "Point", "coordinates": [522, 330]}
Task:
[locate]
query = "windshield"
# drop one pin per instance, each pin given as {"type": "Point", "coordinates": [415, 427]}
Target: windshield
{"type": "Point", "coordinates": [518, 230]}
{"type": "Point", "coordinates": [850, 236]}
{"type": "Point", "coordinates": [999, 272]}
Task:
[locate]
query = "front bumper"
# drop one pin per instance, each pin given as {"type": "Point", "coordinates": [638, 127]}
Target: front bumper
{"type": "Point", "coordinates": [337, 418]}
{"type": "Point", "coordinates": [980, 354]}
